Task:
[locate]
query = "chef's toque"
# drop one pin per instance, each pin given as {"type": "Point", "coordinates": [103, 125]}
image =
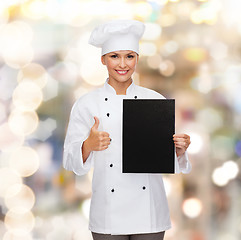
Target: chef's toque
{"type": "Point", "coordinates": [117, 35]}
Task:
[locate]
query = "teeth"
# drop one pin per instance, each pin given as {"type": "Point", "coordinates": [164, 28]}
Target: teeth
{"type": "Point", "coordinates": [122, 72]}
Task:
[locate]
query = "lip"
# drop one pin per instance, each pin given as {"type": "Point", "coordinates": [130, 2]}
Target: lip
{"type": "Point", "coordinates": [122, 72]}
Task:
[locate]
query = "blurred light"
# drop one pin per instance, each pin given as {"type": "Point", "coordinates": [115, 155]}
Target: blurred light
{"type": "Point", "coordinates": [210, 118]}
{"type": "Point", "coordinates": [60, 229]}
{"type": "Point", "coordinates": [45, 129]}
{"type": "Point", "coordinates": [3, 112]}
{"type": "Point", "coordinates": [8, 3]}
{"type": "Point", "coordinates": [184, 8]}
{"type": "Point", "coordinates": [147, 49]}
{"type": "Point", "coordinates": [152, 31]}
{"type": "Point", "coordinates": [80, 92]}
{"type": "Point", "coordinates": [15, 38]}
{"type": "Point", "coordinates": [154, 61]}
{"type": "Point", "coordinates": [196, 143]}
{"type": "Point", "coordinates": [223, 146]}
{"type": "Point", "coordinates": [86, 208]}
{"type": "Point", "coordinates": [238, 148]}
{"type": "Point", "coordinates": [19, 221]}
{"type": "Point", "coordinates": [8, 140]}
{"type": "Point", "coordinates": [192, 207]}
{"type": "Point", "coordinates": [33, 72]}
{"type": "Point", "coordinates": [23, 123]}
{"type": "Point", "coordinates": [45, 152]}
{"type": "Point", "coordinates": [231, 13]}
{"type": "Point", "coordinates": [195, 54]}
{"type": "Point", "coordinates": [15, 34]}
{"type": "Point", "coordinates": [51, 89]}
{"type": "Point", "coordinates": [53, 9]}
{"type": "Point", "coordinates": [219, 51]}
{"type": "Point", "coordinates": [70, 10]}
{"type": "Point", "coordinates": [25, 161]}
{"type": "Point", "coordinates": [167, 68]}
{"type": "Point", "coordinates": [96, 77]}
{"type": "Point", "coordinates": [17, 235]}
{"type": "Point", "coordinates": [18, 57]}
{"type": "Point", "coordinates": [19, 198]}
{"type": "Point", "coordinates": [8, 178]}
{"type": "Point", "coordinates": [66, 72]}
{"type": "Point", "coordinates": [161, 2]}
{"type": "Point", "coordinates": [89, 9]}
{"type": "Point", "coordinates": [167, 20]}
{"type": "Point", "coordinates": [167, 185]}
{"type": "Point", "coordinates": [207, 13]}
{"type": "Point", "coordinates": [142, 10]}
{"type": "Point", "coordinates": [219, 178]}
{"type": "Point", "coordinates": [27, 96]}
{"type": "Point", "coordinates": [170, 47]}
{"type": "Point", "coordinates": [34, 9]}
{"type": "Point", "coordinates": [4, 15]}
{"type": "Point", "coordinates": [204, 82]}
{"type": "Point", "coordinates": [7, 82]}
{"type": "Point", "coordinates": [89, 58]}
{"type": "Point", "coordinates": [231, 168]}
{"type": "Point", "coordinates": [228, 171]}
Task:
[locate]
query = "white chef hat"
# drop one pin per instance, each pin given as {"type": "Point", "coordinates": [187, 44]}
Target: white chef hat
{"type": "Point", "coordinates": [117, 35]}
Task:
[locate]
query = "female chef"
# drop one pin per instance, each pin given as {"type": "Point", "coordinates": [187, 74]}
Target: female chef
{"type": "Point", "coordinates": [124, 206]}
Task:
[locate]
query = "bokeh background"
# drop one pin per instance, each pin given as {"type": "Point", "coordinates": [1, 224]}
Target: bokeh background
{"type": "Point", "coordinates": [191, 51]}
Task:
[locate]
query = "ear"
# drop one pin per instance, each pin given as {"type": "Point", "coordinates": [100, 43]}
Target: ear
{"type": "Point", "coordinates": [103, 60]}
{"type": "Point", "coordinates": [137, 58]}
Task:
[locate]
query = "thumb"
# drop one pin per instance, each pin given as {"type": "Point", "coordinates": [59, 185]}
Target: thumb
{"type": "Point", "coordinates": [96, 124]}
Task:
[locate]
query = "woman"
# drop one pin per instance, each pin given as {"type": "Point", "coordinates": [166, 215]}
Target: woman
{"type": "Point", "coordinates": [124, 206]}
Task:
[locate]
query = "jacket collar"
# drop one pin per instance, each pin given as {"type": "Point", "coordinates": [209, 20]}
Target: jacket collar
{"type": "Point", "coordinates": [108, 88]}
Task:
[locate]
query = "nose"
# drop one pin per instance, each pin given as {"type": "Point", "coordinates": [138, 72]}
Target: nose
{"type": "Point", "coordinates": [122, 63]}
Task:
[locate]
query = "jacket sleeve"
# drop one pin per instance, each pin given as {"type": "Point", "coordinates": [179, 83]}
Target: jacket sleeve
{"type": "Point", "coordinates": [77, 132]}
{"type": "Point", "coordinates": [182, 164]}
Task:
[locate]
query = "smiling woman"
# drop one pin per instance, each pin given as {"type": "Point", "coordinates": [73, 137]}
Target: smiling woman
{"type": "Point", "coordinates": [123, 206]}
{"type": "Point", "coordinates": [120, 65]}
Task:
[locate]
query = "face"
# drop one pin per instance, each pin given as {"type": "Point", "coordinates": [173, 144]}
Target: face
{"type": "Point", "coordinates": [120, 64]}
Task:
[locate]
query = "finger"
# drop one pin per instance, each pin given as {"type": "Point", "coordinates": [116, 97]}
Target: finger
{"type": "Point", "coordinates": [104, 134]}
{"type": "Point", "coordinates": [186, 141]}
{"type": "Point", "coordinates": [181, 145]}
{"type": "Point", "coordinates": [96, 124]}
{"type": "Point", "coordinates": [106, 141]}
{"type": "Point", "coordinates": [182, 135]}
{"type": "Point", "coordinates": [181, 141]}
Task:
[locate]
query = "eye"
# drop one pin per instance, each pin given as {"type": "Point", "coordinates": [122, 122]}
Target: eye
{"type": "Point", "coordinates": [114, 56]}
{"type": "Point", "coordinates": [130, 56]}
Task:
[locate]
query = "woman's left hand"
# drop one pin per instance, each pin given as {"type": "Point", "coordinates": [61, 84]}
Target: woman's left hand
{"type": "Point", "coordinates": [182, 142]}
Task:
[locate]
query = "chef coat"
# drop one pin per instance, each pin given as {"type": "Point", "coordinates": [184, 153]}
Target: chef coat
{"type": "Point", "coordinates": [121, 203]}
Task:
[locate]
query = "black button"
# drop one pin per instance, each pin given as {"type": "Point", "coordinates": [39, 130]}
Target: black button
{"type": "Point", "coordinates": [108, 114]}
{"type": "Point", "coordinates": [135, 97]}
{"type": "Point", "coordinates": [112, 190]}
{"type": "Point", "coordinates": [111, 165]}
{"type": "Point", "coordinates": [106, 99]}
{"type": "Point", "coordinates": [144, 188]}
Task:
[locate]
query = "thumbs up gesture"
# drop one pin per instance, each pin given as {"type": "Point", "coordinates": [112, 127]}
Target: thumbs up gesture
{"type": "Point", "coordinates": [97, 140]}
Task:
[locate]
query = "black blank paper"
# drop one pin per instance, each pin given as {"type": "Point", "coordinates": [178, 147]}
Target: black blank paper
{"type": "Point", "coordinates": [148, 128]}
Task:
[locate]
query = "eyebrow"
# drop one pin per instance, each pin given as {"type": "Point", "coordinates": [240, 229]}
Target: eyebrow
{"type": "Point", "coordinates": [125, 54]}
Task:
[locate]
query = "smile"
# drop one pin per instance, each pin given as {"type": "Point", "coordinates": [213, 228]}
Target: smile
{"type": "Point", "coordinates": [122, 72]}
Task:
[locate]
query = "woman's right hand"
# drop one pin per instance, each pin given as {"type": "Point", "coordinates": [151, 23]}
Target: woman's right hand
{"type": "Point", "coordinates": [97, 141]}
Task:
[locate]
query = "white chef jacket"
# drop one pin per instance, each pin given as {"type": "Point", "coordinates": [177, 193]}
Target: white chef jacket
{"type": "Point", "coordinates": [121, 203]}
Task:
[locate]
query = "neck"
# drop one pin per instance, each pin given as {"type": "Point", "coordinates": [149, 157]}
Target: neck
{"type": "Point", "coordinates": [120, 87]}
